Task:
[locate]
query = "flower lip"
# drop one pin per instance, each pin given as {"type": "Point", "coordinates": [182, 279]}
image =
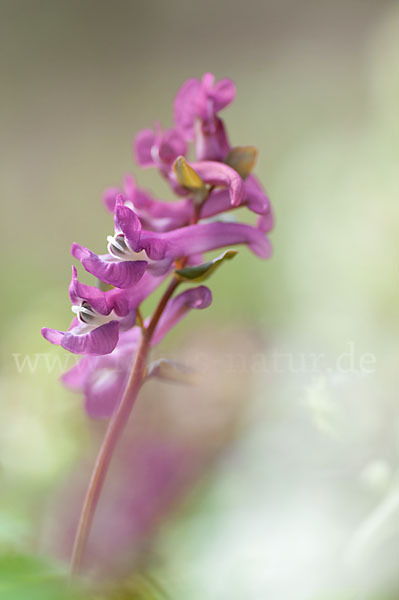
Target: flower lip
{"type": "Point", "coordinates": [119, 272]}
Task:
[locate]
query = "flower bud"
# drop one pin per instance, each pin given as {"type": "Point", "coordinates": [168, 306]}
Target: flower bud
{"type": "Point", "coordinates": [242, 159]}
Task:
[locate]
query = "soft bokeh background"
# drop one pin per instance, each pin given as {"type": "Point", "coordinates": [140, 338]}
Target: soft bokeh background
{"type": "Point", "coordinates": [281, 478]}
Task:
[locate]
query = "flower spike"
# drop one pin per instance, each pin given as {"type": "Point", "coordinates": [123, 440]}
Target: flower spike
{"type": "Point", "coordinates": [154, 240]}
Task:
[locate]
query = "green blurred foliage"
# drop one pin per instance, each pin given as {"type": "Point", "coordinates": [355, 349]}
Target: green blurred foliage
{"type": "Point", "coordinates": [23, 577]}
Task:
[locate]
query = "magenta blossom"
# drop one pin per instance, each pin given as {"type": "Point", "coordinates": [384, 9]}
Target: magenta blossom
{"type": "Point", "coordinates": [196, 109]}
{"type": "Point", "coordinates": [155, 215]}
{"type": "Point", "coordinates": [102, 379]}
{"type": "Point", "coordinates": [100, 316]}
{"type": "Point", "coordinates": [125, 263]}
{"type": "Point", "coordinates": [157, 148]}
{"type": "Point", "coordinates": [132, 249]}
{"type": "Point", "coordinates": [135, 197]}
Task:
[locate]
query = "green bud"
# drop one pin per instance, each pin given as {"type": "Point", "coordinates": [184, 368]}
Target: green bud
{"type": "Point", "coordinates": [186, 175]}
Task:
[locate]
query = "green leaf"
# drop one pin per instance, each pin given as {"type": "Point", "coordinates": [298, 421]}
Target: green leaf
{"type": "Point", "coordinates": [202, 272]}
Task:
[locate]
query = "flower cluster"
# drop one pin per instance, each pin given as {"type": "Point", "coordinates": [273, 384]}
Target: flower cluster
{"type": "Point", "coordinates": [153, 239]}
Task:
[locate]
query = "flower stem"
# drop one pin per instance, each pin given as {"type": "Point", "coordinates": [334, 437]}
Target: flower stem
{"type": "Point", "coordinates": [114, 431]}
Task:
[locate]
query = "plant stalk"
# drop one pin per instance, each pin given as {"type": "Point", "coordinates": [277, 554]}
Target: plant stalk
{"type": "Point", "coordinates": [115, 428]}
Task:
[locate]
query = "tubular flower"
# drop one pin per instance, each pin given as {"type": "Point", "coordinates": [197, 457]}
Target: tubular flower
{"type": "Point", "coordinates": [132, 249]}
{"type": "Point", "coordinates": [196, 107]}
{"type": "Point", "coordinates": [125, 263]}
{"type": "Point", "coordinates": [157, 148]}
{"type": "Point", "coordinates": [102, 379]}
{"type": "Point", "coordinates": [155, 215]}
{"type": "Point", "coordinates": [100, 316]}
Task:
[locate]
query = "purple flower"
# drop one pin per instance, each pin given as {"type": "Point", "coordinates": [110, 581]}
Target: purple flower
{"type": "Point", "coordinates": [201, 99]}
{"type": "Point", "coordinates": [155, 215]}
{"type": "Point", "coordinates": [100, 316]}
{"type": "Point", "coordinates": [195, 298]}
{"type": "Point", "coordinates": [102, 379]}
{"type": "Point", "coordinates": [157, 148]}
{"type": "Point", "coordinates": [196, 106]}
{"type": "Point", "coordinates": [211, 143]}
{"type": "Point", "coordinates": [132, 249]}
{"type": "Point", "coordinates": [125, 263]}
{"type": "Point", "coordinates": [134, 197]}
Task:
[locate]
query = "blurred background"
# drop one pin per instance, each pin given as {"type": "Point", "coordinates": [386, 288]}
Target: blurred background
{"type": "Point", "coordinates": [278, 476]}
